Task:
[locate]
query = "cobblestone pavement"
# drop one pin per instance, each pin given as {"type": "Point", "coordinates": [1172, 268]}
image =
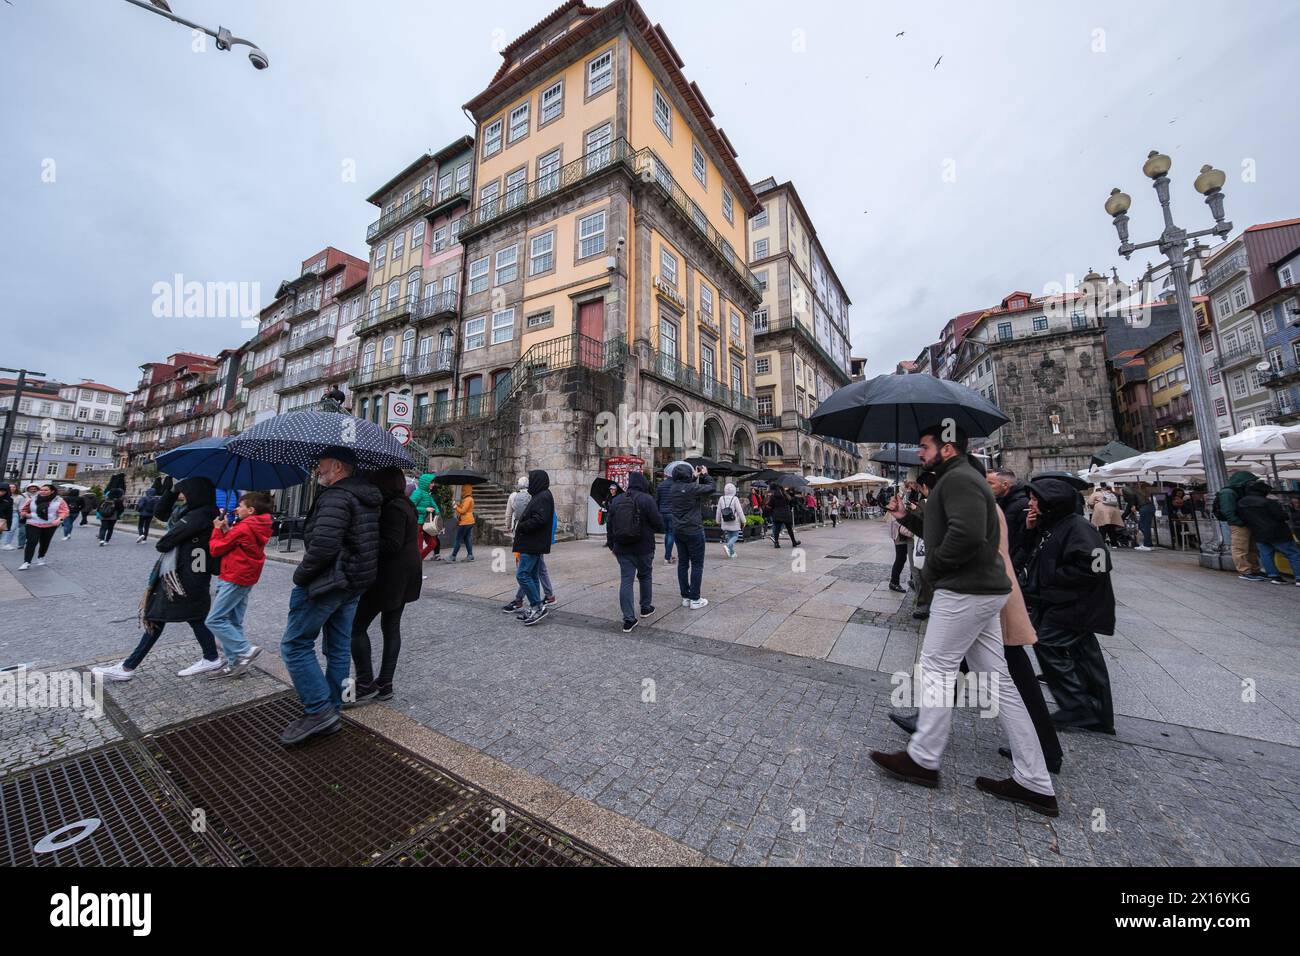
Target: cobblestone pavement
{"type": "Point", "coordinates": [751, 754]}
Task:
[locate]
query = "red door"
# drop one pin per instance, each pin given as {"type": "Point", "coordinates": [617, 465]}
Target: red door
{"type": "Point", "coordinates": [591, 333]}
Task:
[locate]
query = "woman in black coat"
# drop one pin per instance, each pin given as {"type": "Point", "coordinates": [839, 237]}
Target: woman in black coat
{"type": "Point", "coordinates": [179, 584]}
{"type": "Point", "coordinates": [397, 584]}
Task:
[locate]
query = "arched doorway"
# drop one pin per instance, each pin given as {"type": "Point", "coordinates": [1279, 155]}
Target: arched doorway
{"type": "Point", "coordinates": [741, 448]}
{"type": "Point", "coordinates": [670, 436]}
{"type": "Point", "coordinates": [712, 439]}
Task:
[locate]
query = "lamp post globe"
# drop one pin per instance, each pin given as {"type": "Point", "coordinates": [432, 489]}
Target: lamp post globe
{"type": "Point", "coordinates": [1157, 165]}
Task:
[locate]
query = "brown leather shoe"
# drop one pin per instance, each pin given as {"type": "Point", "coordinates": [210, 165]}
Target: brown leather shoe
{"type": "Point", "coordinates": [1013, 792]}
{"type": "Point", "coordinates": [903, 767]}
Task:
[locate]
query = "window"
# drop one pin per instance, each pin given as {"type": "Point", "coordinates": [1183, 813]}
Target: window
{"type": "Point", "coordinates": [707, 364]}
{"type": "Point", "coordinates": [697, 164]}
{"type": "Point", "coordinates": [503, 326]}
{"type": "Point", "coordinates": [760, 249]}
{"type": "Point", "coordinates": [539, 320]}
{"type": "Point", "coordinates": [475, 332]}
{"type": "Point", "coordinates": [770, 449]}
{"type": "Point", "coordinates": [762, 280]}
{"type": "Point", "coordinates": [516, 187]}
{"type": "Point", "coordinates": [492, 139]}
{"type": "Point", "coordinates": [444, 185]}
{"type": "Point", "coordinates": [75, 451]}
{"type": "Point", "coordinates": [487, 198]}
{"type": "Point", "coordinates": [399, 245]}
{"type": "Point", "coordinates": [1207, 344]}
{"type": "Point", "coordinates": [386, 352]}
{"type": "Point", "coordinates": [1223, 306]}
{"type": "Point", "coordinates": [541, 254]}
{"type": "Point", "coordinates": [1004, 331]}
{"type": "Point", "coordinates": [394, 292]}
{"type": "Point", "coordinates": [413, 286]}
{"type": "Point", "coordinates": [760, 320]}
{"type": "Point", "coordinates": [552, 103]}
{"type": "Point", "coordinates": [1040, 323]}
{"type": "Point", "coordinates": [1275, 359]}
{"type": "Point", "coordinates": [737, 380]}
{"type": "Point", "coordinates": [520, 121]}
{"type": "Point", "coordinates": [1078, 321]}
{"type": "Point", "coordinates": [478, 275]}
{"type": "Point", "coordinates": [80, 432]}
{"type": "Point", "coordinates": [764, 403]}
{"type": "Point", "coordinates": [462, 178]}
{"type": "Point", "coordinates": [1239, 387]}
{"type": "Point", "coordinates": [663, 115]}
{"type": "Point", "coordinates": [706, 301]}
{"type": "Point", "coordinates": [1269, 325]}
{"type": "Point", "coordinates": [600, 73]}
{"type": "Point", "coordinates": [763, 366]}
{"type": "Point", "coordinates": [1214, 376]}
{"type": "Point", "coordinates": [735, 329]}
{"type": "Point", "coordinates": [440, 239]}
{"type": "Point", "coordinates": [668, 266]}
{"type": "Point", "coordinates": [760, 220]}
{"type": "Point", "coordinates": [591, 235]}
{"type": "Point", "coordinates": [92, 452]}
{"type": "Point", "coordinates": [667, 337]}
{"type": "Point", "coordinates": [1285, 275]}
{"type": "Point", "coordinates": [381, 255]}
{"type": "Point", "coordinates": [1295, 351]}
{"type": "Point", "coordinates": [1220, 407]}
{"type": "Point", "coordinates": [598, 149]}
{"type": "Point", "coordinates": [507, 265]}
{"type": "Point", "coordinates": [417, 235]}
{"type": "Point", "coordinates": [1239, 297]}
{"type": "Point", "coordinates": [408, 344]}
{"type": "Point", "coordinates": [728, 207]}
{"type": "Point", "coordinates": [548, 173]}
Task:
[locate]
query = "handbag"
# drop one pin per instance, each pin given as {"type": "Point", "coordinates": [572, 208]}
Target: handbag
{"type": "Point", "coordinates": [433, 527]}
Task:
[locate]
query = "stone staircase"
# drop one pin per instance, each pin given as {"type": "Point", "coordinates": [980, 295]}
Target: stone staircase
{"type": "Point", "coordinates": [490, 515]}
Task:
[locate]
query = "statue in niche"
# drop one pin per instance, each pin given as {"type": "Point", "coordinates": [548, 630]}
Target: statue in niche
{"type": "Point", "coordinates": [1055, 419]}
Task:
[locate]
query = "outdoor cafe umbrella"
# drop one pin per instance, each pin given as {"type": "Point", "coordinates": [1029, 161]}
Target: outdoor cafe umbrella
{"type": "Point", "coordinates": [300, 437]}
{"type": "Point", "coordinates": [460, 476]}
{"type": "Point", "coordinates": [907, 457]}
{"type": "Point", "coordinates": [790, 480]}
{"type": "Point", "coordinates": [211, 458]}
{"type": "Point", "coordinates": [720, 468]}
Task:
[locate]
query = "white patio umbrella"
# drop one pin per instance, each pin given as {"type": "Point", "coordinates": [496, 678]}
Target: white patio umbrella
{"type": "Point", "coordinates": [817, 481]}
{"type": "Point", "coordinates": [863, 478]}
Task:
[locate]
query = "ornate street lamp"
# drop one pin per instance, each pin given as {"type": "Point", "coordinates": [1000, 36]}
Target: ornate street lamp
{"type": "Point", "coordinates": [1173, 245]}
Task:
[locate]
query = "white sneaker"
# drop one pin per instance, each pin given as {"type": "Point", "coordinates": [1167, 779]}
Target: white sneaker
{"type": "Point", "coordinates": [67, 537]}
{"type": "Point", "coordinates": [102, 543]}
{"type": "Point", "coordinates": [114, 672]}
{"type": "Point", "coordinates": [696, 605]}
{"type": "Point", "coordinates": [202, 667]}
{"type": "Point", "coordinates": [24, 566]}
{"type": "Point", "coordinates": [141, 538]}
{"type": "Point", "coordinates": [686, 602]}
{"type": "Point", "coordinates": [1143, 548]}
{"type": "Point", "coordinates": [247, 658]}
{"type": "Point", "coordinates": [9, 547]}
{"type": "Point", "coordinates": [40, 562]}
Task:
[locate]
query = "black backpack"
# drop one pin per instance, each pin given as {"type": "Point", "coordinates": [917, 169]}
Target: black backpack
{"type": "Point", "coordinates": [625, 520]}
{"type": "Point", "coordinates": [1216, 509]}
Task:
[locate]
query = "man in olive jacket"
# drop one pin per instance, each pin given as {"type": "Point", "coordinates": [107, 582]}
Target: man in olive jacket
{"type": "Point", "coordinates": [341, 561]}
{"type": "Point", "coordinates": [964, 565]}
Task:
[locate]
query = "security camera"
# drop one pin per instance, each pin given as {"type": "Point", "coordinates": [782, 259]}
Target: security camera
{"type": "Point", "coordinates": [258, 59]}
{"type": "Point", "coordinates": [620, 243]}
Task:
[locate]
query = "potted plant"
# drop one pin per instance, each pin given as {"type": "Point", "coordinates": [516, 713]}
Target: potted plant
{"type": "Point", "coordinates": [755, 526]}
{"type": "Point", "coordinates": [711, 530]}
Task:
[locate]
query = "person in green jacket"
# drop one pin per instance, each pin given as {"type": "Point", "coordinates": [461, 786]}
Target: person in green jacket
{"type": "Point", "coordinates": [1245, 556]}
{"type": "Point", "coordinates": [426, 508]}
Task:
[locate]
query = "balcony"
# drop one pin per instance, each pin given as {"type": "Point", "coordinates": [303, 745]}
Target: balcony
{"type": "Point", "coordinates": [378, 372]}
{"type": "Point", "coordinates": [440, 305]}
{"type": "Point", "coordinates": [238, 400]}
{"type": "Point", "coordinates": [768, 422]}
{"type": "Point", "coordinates": [340, 368]}
{"type": "Point", "coordinates": [302, 376]}
{"type": "Point", "coordinates": [269, 334]}
{"type": "Point", "coordinates": [302, 341]}
{"type": "Point", "coordinates": [1284, 376]}
{"type": "Point", "coordinates": [793, 324]}
{"type": "Point", "coordinates": [1171, 417]}
{"type": "Point", "coordinates": [308, 306]}
{"type": "Point", "coordinates": [265, 373]}
{"type": "Point", "coordinates": [1282, 411]}
{"type": "Point", "coordinates": [421, 202]}
{"type": "Point", "coordinates": [1221, 272]}
{"type": "Point", "coordinates": [642, 166]}
{"type": "Point", "coordinates": [1241, 355]}
{"type": "Point", "coordinates": [432, 365]}
{"type": "Point", "coordinates": [394, 313]}
{"type": "Point", "coordinates": [667, 368]}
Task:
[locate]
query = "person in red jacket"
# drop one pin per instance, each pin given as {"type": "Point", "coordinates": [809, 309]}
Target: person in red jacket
{"type": "Point", "coordinates": [241, 549]}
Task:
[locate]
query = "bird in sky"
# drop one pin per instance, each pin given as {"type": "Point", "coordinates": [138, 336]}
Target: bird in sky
{"type": "Point", "coordinates": [937, 62]}
{"type": "Point", "coordinates": [899, 33]}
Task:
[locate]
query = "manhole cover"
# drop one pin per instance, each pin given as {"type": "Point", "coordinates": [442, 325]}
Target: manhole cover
{"type": "Point", "coordinates": [487, 834]}
{"type": "Point", "coordinates": [100, 809]}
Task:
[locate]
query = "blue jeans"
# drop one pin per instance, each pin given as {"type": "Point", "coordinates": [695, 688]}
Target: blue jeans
{"type": "Point", "coordinates": [1266, 552]}
{"type": "Point", "coordinates": [226, 619]}
{"type": "Point", "coordinates": [729, 538]}
{"type": "Point", "coordinates": [68, 523]}
{"type": "Point", "coordinates": [332, 612]}
{"type": "Point", "coordinates": [638, 567]}
{"type": "Point", "coordinates": [7, 537]}
{"type": "Point", "coordinates": [465, 536]}
{"type": "Point", "coordinates": [690, 564]}
{"type": "Point", "coordinates": [527, 575]}
{"type": "Point", "coordinates": [543, 578]}
{"type": "Point", "coordinates": [1146, 515]}
{"type": "Point", "coordinates": [22, 533]}
{"type": "Point", "coordinates": [668, 534]}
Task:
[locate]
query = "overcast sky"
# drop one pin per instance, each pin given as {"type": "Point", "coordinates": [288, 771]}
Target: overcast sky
{"type": "Point", "coordinates": [129, 158]}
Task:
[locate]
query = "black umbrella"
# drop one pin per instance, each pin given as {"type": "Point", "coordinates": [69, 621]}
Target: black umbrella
{"type": "Point", "coordinates": [460, 476]}
{"type": "Point", "coordinates": [1074, 481]}
{"type": "Point", "coordinates": [790, 480]}
{"type": "Point", "coordinates": [898, 408]}
{"type": "Point", "coordinates": [300, 437]}
{"type": "Point", "coordinates": [602, 489]}
{"type": "Point", "coordinates": [721, 468]}
{"type": "Point", "coordinates": [766, 475]}
{"type": "Point", "coordinates": [907, 457]}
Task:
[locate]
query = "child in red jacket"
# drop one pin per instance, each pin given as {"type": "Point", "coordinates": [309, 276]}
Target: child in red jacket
{"type": "Point", "coordinates": [242, 550]}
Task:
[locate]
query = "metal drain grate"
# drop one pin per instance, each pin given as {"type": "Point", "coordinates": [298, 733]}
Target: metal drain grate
{"type": "Point", "coordinates": [468, 839]}
{"type": "Point", "coordinates": [343, 800]}
{"type": "Point", "coordinates": [138, 825]}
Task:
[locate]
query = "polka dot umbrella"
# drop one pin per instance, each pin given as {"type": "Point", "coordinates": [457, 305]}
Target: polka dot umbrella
{"type": "Point", "coordinates": [299, 438]}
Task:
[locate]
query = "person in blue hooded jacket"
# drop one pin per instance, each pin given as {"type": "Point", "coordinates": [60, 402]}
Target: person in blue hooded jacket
{"type": "Point", "coordinates": [691, 490]}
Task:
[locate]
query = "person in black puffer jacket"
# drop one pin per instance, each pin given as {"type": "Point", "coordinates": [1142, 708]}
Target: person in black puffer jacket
{"type": "Point", "coordinates": [534, 533]}
{"type": "Point", "coordinates": [1268, 523]}
{"type": "Point", "coordinates": [397, 584]}
{"type": "Point", "coordinates": [1071, 601]}
{"type": "Point", "coordinates": [780, 510]}
{"type": "Point", "coordinates": [692, 487]}
{"type": "Point", "coordinates": [179, 584]}
{"type": "Point", "coordinates": [341, 561]}
{"type": "Point", "coordinates": [636, 558]}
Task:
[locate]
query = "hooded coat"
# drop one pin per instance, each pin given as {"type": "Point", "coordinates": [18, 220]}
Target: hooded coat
{"type": "Point", "coordinates": [465, 507]}
{"type": "Point", "coordinates": [398, 579]}
{"type": "Point", "coordinates": [686, 500]}
{"type": "Point", "coordinates": [1229, 495]}
{"type": "Point", "coordinates": [637, 496]}
{"type": "Point", "coordinates": [1068, 576]}
{"type": "Point", "coordinates": [1015, 506]}
{"type": "Point", "coordinates": [148, 503]}
{"type": "Point", "coordinates": [242, 550]}
{"type": "Point", "coordinates": [189, 529]}
{"type": "Point", "coordinates": [1103, 515]}
{"type": "Point", "coordinates": [422, 497]}
{"type": "Point", "coordinates": [516, 503]}
{"type": "Point", "coordinates": [1266, 518]}
{"type": "Point", "coordinates": [1017, 629]}
{"type": "Point", "coordinates": [534, 530]}
{"type": "Point", "coordinates": [735, 504]}
{"type": "Point", "coordinates": [342, 536]}
{"type": "Point", "coordinates": [780, 507]}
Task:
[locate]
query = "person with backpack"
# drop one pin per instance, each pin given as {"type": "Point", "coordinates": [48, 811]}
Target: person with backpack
{"type": "Point", "coordinates": [430, 515]}
{"type": "Point", "coordinates": [515, 507]}
{"type": "Point", "coordinates": [145, 509]}
{"type": "Point", "coordinates": [241, 550]}
{"type": "Point", "coordinates": [534, 534]}
{"type": "Point", "coordinates": [663, 497]}
{"type": "Point", "coordinates": [1106, 516]}
{"type": "Point", "coordinates": [692, 487]}
{"type": "Point", "coordinates": [1271, 529]}
{"type": "Point", "coordinates": [730, 517]}
{"type": "Point", "coordinates": [630, 529]}
{"type": "Point", "coordinates": [88, 505]}
{"type": "Point", "coordinates": [464, 524]}
{"type": "Point", "coordinates": [1245, 555]}
{"type": "Point", "coordinates": [109, 511]}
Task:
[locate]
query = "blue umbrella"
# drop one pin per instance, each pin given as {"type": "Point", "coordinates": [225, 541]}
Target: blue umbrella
{"type": "Point", "coordinates": [300, 437]}
{"type": "Point", "coordinates": [213, 459]}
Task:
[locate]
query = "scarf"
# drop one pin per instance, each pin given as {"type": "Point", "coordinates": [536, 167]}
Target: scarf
{"type": "Point", "coordinates": [164, 573]}
{"type": "Point", "coordinates": [43, 506]}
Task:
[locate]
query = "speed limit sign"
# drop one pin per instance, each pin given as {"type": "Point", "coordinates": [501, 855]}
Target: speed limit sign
{"type": "Point", "coordinates": [401, 432]}
{"type": "Point", "coordinates": [399, 409]}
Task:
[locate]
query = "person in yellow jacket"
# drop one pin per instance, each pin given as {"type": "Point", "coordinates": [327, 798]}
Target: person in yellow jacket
{"type": "Point", "coordinates": [464, 524]}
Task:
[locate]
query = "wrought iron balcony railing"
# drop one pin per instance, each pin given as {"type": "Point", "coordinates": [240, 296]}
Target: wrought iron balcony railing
{"type": "Point", "coordinates": [265, 373]}
{"type": "Point", "coordinates": [1220, 272]}
{"type": "Point", "coordinates": [1239, 356]}
{"type": "Point", "coordinates": [437, 305]}
{"type": "Point", "coordinates": [302, 340]}
{"type": "Point", "coordinates": [432, 364]}
{"type": "Point", "coordinates": [391, 313]}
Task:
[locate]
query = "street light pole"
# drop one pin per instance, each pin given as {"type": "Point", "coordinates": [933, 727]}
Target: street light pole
{"type": "Point", "coordinates": [1173, 245]}
{"type": "Point", "coordinates": [223, 37]}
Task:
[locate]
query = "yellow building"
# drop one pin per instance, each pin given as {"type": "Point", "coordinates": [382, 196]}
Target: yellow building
{"type": "Point", "coordinates": [1171, 401]}
{"type": "Point", "coordinates": [608, 233]}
